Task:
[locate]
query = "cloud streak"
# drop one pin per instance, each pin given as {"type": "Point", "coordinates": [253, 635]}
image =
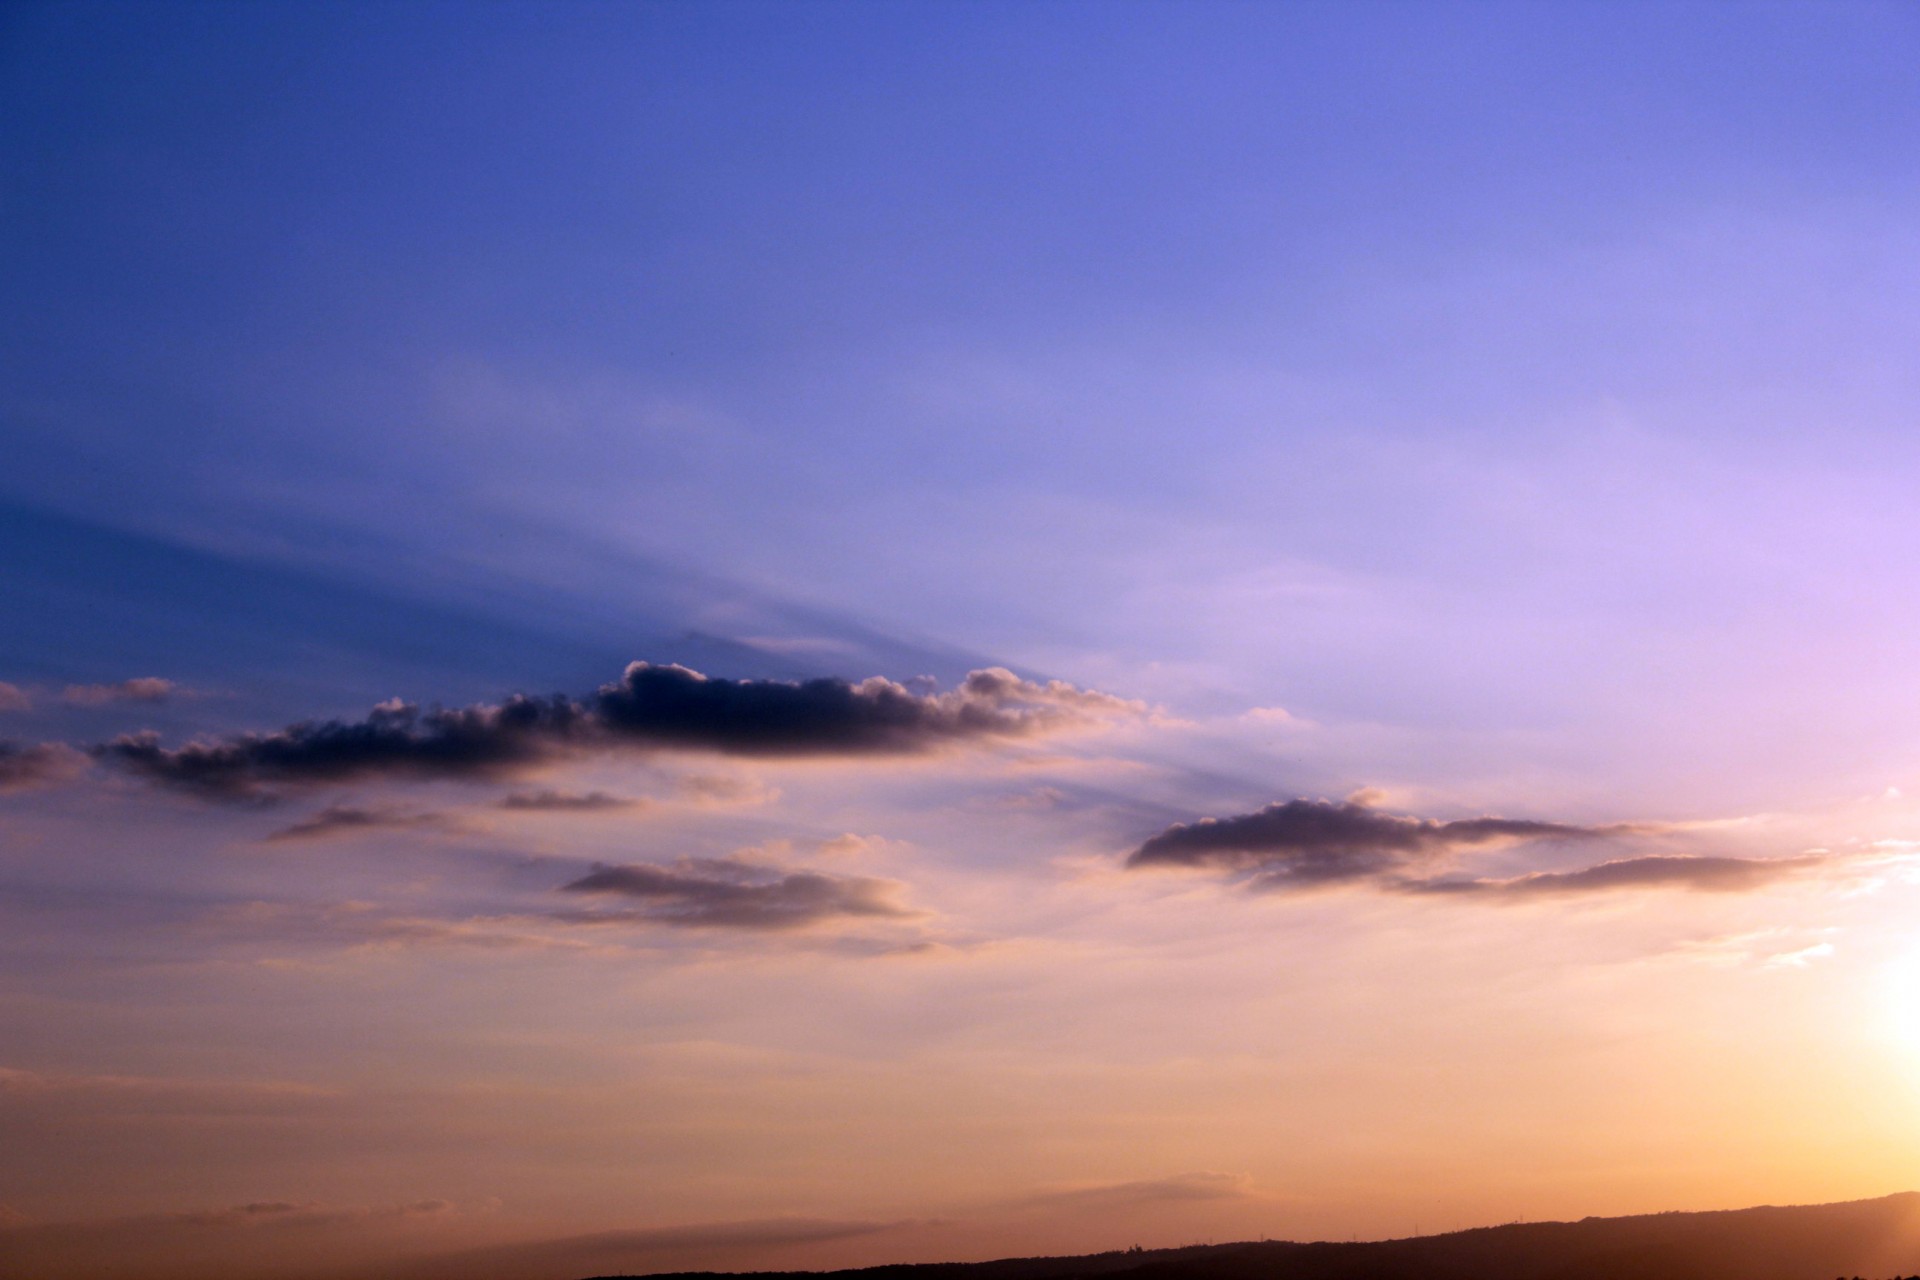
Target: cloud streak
{"type": "Point", "coordinates": [732, 893]}
{"type": "Point", "coordinates": [43, 1093]}
{"type": "Point", "coordinates": [1303, 843]}
{"type": "Point", "coordinates": [1180, 1188]}
{"type": "Point", "coordinates": [650, 708]}
{"type": "Point", "coordinates": [360, 926]}
{"type": "Point", "coordinates": [1658, 871]}
{"type": "Point", "coordinates": [345, 820]}
{"type": "Point", "coordinates": [139, 689]}
{"type": "Point", "coordinates": [650, 1249]}
{"type": "Point", "coordinates": [566, 802]}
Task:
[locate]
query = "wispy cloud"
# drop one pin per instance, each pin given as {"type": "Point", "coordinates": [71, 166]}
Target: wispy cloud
{"type": "Point", "coordinates": [255, 1238]}
{"type": "Point", "coordinates": [22, 768]}
{"type": "Point", "coordinates": [159, 1095]}
{"type": "Point", "coordinates": [14, 698]}
{"type": "Point", "coordinates": [648, 1249]}
{"type": "Point", "coordinates": [346, 820]}
{"type": "Point", "coordinates": [139, 689]}
{"type": "Point", "coordinates": [1801, 958]}
{"type": "Point", "coordinates": [733, 893]}
{"type": "Point", "coordinates": [549, 801]}
{"type": "Point", "coordinates": [419, 1239]}
{"type": "Point", "coordinates": [1179, 1188]}
{"type": "Point", "coordinates": [718, 790]}
{"type": "Point", "coordinates": [248, 1216]}
{"type": "Point", "coordinates": [1655, 871]}
{"type": "Point", "coordinates": [651, 708]}
{"type": "Point", "coordinates": [1033, 800]}
{"type": "Point", "coordinates": [361, 926]}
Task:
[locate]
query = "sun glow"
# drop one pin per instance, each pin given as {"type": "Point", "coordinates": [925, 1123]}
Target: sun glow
{"type": "Point", "coordinates": [1900, 999]}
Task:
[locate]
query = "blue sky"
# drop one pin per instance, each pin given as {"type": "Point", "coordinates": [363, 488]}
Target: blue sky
{"type": "Point", "coordinates": [983, 326]}
{"type": "Point", "coordinates": [1422, 412]}
{"type": "Point", "coordinates": [729, 289]}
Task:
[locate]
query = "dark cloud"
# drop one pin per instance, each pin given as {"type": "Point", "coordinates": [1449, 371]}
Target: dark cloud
{"type": "Point", "coordinates": [139, 689]}
{"type": "Point", "coordinates": [649, 707]}
{"type": "Point", "coordinates": [672, 706]}
{"type": "Point", "coordinates": [1658, 871]}
{"type": "Point", "coordinates": [395, 740]}
{"type": "Point", "coordinates": [1305, 843]}
{"type": "Point", "coordinates": [344, 820]}
{"type": "Point", "coordinates": [1311, 842]}
{"type": "Point", "coordinates": [566, 802]}
{"type": "Point", "coordinates": [731, 893]}
{"type": "Point", "coordinates": [46, 764]}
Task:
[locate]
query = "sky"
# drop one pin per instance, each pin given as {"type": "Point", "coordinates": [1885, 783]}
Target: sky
{"type": "Point", "coordinates": [731, 635]}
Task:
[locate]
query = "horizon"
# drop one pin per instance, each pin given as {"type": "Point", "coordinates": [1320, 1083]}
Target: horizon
{"type": "Point", "coordinates": [788, 636]}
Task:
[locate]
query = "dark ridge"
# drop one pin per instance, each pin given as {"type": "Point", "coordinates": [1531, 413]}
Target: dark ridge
{"type": "Point", "coordinates": [1875, 1239]}
{"type": "Point", "coordinates": [1093, 1264]}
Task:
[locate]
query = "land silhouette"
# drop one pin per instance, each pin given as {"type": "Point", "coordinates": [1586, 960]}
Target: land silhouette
{"type": "Point", "coordinates": [1856, 1240]}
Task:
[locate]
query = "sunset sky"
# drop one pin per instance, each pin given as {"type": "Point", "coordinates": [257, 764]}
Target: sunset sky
{"type": "Point", "coordinates": [661, 635]}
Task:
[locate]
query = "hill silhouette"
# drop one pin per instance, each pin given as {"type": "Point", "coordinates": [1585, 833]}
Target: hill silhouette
{"type": "Point", "coordinates": [1876, 1239]}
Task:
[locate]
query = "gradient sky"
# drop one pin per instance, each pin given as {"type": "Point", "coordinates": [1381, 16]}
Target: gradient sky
{"type": "Point", "coordinates": [1427, 492]}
